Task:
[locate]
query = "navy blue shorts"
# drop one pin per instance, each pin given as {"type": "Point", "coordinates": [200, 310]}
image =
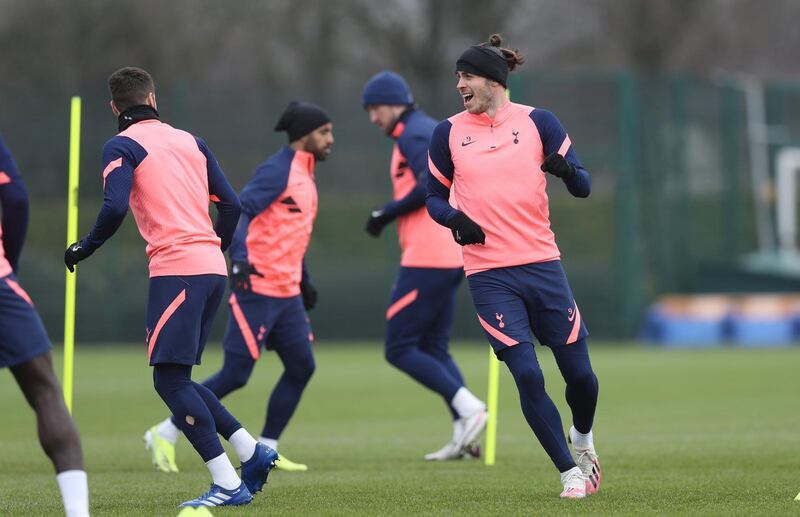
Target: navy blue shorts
{"type": "Point", "coordinates": [514, 301]}
{"type": "Point", "coordinates": [22, 334]}
{"type": "Point", "coordinates": [257, 320]}
{"type": "Point", "coordinates": [421, 309]}
{"type": "Point", "coordinates": [180, 311]}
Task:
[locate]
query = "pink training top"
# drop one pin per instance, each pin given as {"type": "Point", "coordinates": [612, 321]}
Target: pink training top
{"type": "Point", "coordinates": [14, 201]}
{"type": "Point", "coordinates": [423, 242]}
{"type": "Point", "coordinates": [281, 204]}
{"type": "Point", "coordinates": [494, 168]}
{"type": "Point", "coordinates": [169, 199]}
{"type": "Point", "coordinates": [5, 267]}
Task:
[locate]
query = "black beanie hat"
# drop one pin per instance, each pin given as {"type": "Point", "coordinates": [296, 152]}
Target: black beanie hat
{"type": "Point", "coordinates": [301, 118]}
{"type": "Point", "coordinates": [485, 61]}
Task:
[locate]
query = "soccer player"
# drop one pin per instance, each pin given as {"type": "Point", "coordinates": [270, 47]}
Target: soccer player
{"type": "Point", "coordinates": [496, 155]}
{"type": "Point", "coordinates": [25, 348]}
{"type": "Point", "coordinates": [168, 177]}
{"type": "Point", "coordinates": [271, 286]}
{"type": "Point", "coordinates": [422, 302]}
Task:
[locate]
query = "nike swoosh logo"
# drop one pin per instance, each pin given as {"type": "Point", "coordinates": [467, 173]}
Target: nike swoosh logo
{"type": "Point", "coordinates": [572, 317]}
{"type": "Point", "coordinates": [76, 248]}
{"type": "Point", "coordinates": [467, 143]}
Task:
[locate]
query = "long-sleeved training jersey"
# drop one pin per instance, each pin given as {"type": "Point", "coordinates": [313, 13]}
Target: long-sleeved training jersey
{"type": "Point", "coordinates": [279, 205]}
{"type": "Point", "coordinates": [167, 177]}
{"type": "Point", "coordinates": [14, 202]}
{"type": "Point", "coordinates": [423, 243]}
{"type": "Point", "coordinates": [494, 168]}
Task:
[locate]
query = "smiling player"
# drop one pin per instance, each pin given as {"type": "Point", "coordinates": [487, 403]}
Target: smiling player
{"type": "Point", "coordinates": [496, 156]}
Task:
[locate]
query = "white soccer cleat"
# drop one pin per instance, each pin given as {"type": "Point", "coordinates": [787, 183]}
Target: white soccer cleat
{"type": "Point", "coordinates": [472, 427]}
{"type": "Point", "coordinates": [471, 451]}
{"type": "Point", "coordinates": [162, 451]}
{"type": "Point", "coordinates": [450, 451]}
{"type": "Point", "coordinates": [589, 463]}
{"type": "Point", "coordinates": [575, 484]}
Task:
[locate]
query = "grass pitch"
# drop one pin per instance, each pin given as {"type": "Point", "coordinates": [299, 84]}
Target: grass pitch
{"type": "Point", "coordinates": [711, 432]}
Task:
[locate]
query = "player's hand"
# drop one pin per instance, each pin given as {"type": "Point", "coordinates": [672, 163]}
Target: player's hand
{"type": "Point", "coordinates": [240, 275]}
{"type": "Point", "coordinates": [310, 295]}
{"type": "Point", "coordinates": [377, 222]}
{"type": "Point", "coordinates": [557, 165]}
{"type": "Point", "coordinates": [465, 230]}
{"type": "Point", "coordinates": [75, 253]}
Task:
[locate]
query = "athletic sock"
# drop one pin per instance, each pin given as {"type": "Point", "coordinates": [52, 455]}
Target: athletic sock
{"type": "Point", "coordinates": [168, 431]}
{"type": "Point", "coordinates": [74, 492]}
{"type": "Point", "coordinates": [466, 403]}
{"type": "Point", "coordinates": [269, 442]}
{"type": "Point", "coordinates": [223, 473]}
{"type": "Point", "coordinates": [580, 440]}
{"type": "Point", "coordinates": [243, 443]}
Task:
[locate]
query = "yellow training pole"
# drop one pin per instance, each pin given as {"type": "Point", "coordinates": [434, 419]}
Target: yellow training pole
{"type": "Point", "coordinates": [72, 236]}
{"type": "Point", "coordinates": [491, 403]}
{"type": "Point", "coordinates": [491, 397]}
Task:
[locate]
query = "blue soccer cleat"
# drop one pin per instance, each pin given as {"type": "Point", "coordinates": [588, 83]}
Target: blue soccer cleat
{"type": "Point", "coordinates": [218, 496]}
{"type": "Point", "coordinates": [256, 469]}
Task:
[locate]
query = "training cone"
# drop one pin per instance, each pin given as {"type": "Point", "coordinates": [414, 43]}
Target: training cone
{"type": "Point", "coordinates": [797, 498]}
{"type": "Point", "coordinates": [200, 511]}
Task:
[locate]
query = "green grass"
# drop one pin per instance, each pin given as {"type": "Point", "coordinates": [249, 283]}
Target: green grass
{"type": "Point", "coordinates": [679, 432]}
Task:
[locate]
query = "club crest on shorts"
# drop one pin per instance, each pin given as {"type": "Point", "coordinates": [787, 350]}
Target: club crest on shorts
{"type": "Point", "coordinates": [499, 317]}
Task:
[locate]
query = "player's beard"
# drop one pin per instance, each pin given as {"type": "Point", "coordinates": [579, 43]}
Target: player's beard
{"type": "Point", "coordinates": [481, 98]}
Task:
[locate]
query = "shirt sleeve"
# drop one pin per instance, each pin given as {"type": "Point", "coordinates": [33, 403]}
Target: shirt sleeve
{"type": "Point", "coordinates": [415, 150]}
{"type": "Point", "coordinates": [121, 156]}
{"type": "Point", "coordinates": [440, 175]}
{"type": "Point", "coordinates": [269, 181]}
{"type": "Point", "coordinates": [14, 200]}
{"type": "Point", "coordinates": [223, 196]}
{"type": "Point", "coordinates": [556, 140]}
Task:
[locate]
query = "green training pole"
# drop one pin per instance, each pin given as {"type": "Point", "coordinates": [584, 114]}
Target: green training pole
{"type": "Point", "coordinates": [491, 406]}
{"type": "Point", "coordinates": [72, 236]}
{"type": "Point", "coordinates": [492, 395]}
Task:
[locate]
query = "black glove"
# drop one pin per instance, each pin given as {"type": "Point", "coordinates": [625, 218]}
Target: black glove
{"type": "Point", "coordinates": [310, 295]}
{"type": "Point", "coordinates": [377, 222]}
{"type": "Point", "coordinates": [465, 230]}
{"type": "Point", "coordinates": [557, 165]}
{"type": "Point", "coordinates": [74, 254]}
{"type": "Point", "coordinates": [240, 275]}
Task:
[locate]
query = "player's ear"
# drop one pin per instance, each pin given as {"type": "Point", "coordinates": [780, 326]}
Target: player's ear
{"type": "Point", "coordinates": [151, 100]}
{"type": "Point", "coordinates": [114, 109]}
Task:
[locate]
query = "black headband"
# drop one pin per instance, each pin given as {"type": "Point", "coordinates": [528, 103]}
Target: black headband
{"type": "Point", "coordinates": [484, 61]}
{"type": "Point", "coordinates": [301, 118]}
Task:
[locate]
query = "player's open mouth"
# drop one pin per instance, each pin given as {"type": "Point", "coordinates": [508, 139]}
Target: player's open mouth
{"type": "Point", "coordinates": [467, 97]}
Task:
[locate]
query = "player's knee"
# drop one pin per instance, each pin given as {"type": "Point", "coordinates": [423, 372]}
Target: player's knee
{"type": "Point", "coordinates": [530, 376]}
{"type": "Point", "coordinates": [302, 372]}
{"type": "Point", "coordinates": [237, 378]}
{"type": "Point", "coordinates": [236, 371]}
{"type": "Point", "coordinates": [579, 375]}
{"type": "Point", "coordinates": [585, 380]}
{"type": "Point", "coordinates": [167, 380]}
{"type": "Point", "coordinates": [394, 356]}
